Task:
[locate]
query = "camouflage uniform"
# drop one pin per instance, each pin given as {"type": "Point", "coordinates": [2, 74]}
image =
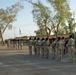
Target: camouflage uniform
{"type": "Point", "coordinates": [56, 47]}
{"type": "Point", "coordinates": [71, 49]}
{"type": "Point", "coordinates": [60, 49]}
{"type": "Point", "coordinates": [42, 47]}
{"type": "Point", "coordinates": [46, 50]}
{"type": "Point", "coordinates": [66, 46]}
{"type": "Point", "coordinates": [63, 45]}
{"type": "Point", "coordinates": [20, 45]}
{"type": "Point", "coordinates": [30, 46]}
{"type": "Point", "coordinates": [34, 44]}
{"type": "Point", "coordinates": [38, 46]}
{"type": "Point", "coordinates": [53, 48]}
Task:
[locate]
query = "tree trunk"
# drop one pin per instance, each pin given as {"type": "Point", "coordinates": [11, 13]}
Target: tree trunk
{"type": "Point", "coordinates": [46, 28]}
{"type": "Point", "coordinates": [2, 43]}
{"type": "Point", "coordinates": [56, 32]}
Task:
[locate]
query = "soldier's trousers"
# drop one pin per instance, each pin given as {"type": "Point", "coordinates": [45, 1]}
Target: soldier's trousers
{"type": "Point", "coordinates": [60, 54]}
{"type": "Point", "coordinates": [54, 53]}
{"type": "Point", "coordinates": [56, 49]}
{"type": "Point", "coordinates": [30, 50]}
{"type": "Point", "coordinates": [42, 51]}
{"type": "Point", "coordinates": [38, 51]}
{"type": "Point", "coordinates": [35, 51]}
{"type": "Point", "coordinates": [46, 53]}
{"type": "Point", "coordinates": [71, 52]}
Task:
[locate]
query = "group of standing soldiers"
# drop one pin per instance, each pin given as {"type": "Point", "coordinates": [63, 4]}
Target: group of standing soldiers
{"type": "Point", "coordinates": [57, 46]}
{"type": "Point", "coordinates": [14, 44]}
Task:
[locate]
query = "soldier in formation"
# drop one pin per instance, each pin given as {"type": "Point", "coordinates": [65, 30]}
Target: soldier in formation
{"type": "Point", "coordinates": [38, 46]}
{"type": "Point", "coordinates": [71, 48]}
{"type": "Point", "coordinates": [53, 48]}
{"type": "Point", "coordinates": [42, 47]}
{"type": "Point", "coordinates": [34, 46]}
{"type": "Point", "coordinates": [57, 45]}
{"type": "Point", "coordinates": [30, 46]}
{"type": "Point", "coordinates": [46, 48]}
{"type": "Point", "coordinates": [60, 48]}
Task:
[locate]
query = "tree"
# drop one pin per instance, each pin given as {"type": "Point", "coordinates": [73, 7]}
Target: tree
{"type": "Point", "coordinates": [40, 32]}
{"type": "Point", "coordinates": [61, 15]}
{"type": "Point", "coordinates": [71, 25]}
{"type": "Point", "coordinates": [41, 15]}
{"type": "Point", "coordinates": [66, 30]}
{"type": "Point", "coordinates": [56, 18]}
{"type": "Point", "coordinates": [8, 16]}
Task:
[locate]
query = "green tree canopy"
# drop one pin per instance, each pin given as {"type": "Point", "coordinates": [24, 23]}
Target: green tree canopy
{"type": "Point", "coordinates": [62, 12]}
{"type": "Point", "coordinates": [8, 16]}
{"type": "Point", "coordinates": [41, 15]}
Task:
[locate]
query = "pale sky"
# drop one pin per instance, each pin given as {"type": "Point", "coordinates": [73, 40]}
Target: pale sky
{"type": "Point", "coordinates": [25, 19]}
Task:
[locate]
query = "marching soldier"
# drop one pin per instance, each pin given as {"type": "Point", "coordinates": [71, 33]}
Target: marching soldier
{"type": "Point", "coordinates": [38, 46]}
{"type": "Point", "coordinates": [20, 44]}
{"type": "Point", "coordinates": [53, 48]}
{"type": "Point", "coordinates": [42, 47]}
{"type": "Point", "coordinates": [60, 48]}
{"type": "Point", "coordinates": [71, 49]}
{"type": "Point", "coordinates": [34, 44]}
{"type": "Point", "coordinates": [30, 46]}
{"type": "Point", "coordinates": [56, 47]}
{"type": "Point", "coordinates": [63, 45]}
{"type": "Point", "coordinates": [46, 50]}
{"type": "Point", "coordinates": [66, 46]}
